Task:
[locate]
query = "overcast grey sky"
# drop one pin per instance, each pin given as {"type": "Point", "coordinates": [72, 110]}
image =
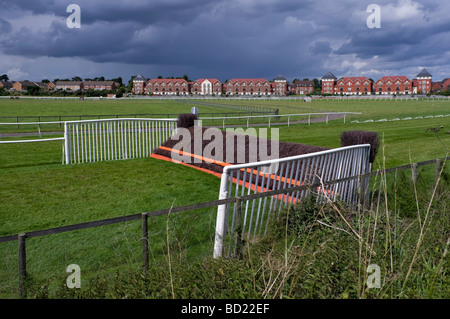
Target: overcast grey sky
{"type": "Point", "coordinates": [223, 38]}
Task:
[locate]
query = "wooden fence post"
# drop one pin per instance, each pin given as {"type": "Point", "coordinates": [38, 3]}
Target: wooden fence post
{"type": "Point", "coordinates": [239, 246]}
{"type": "Point", "coordinates": [414, 173]}
{"type": "Point", "coordinates": [145, 254]}
{"type": "Point", "coordinates": [22, 265]}
{"type": "Point", "coordinates": [362, 190]}
{"type": "Point", "coordinates": [438, 171]}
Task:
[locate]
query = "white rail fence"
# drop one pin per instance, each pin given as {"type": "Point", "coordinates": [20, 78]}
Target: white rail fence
{"type": "Point", "coordinates": [110, 139]}
{"type": "Point", "coordinates": [325, 116]}
{"type": "Point", "coordinates": [114, 139]}
{"type": "Point", "coordinates": [252, 178]}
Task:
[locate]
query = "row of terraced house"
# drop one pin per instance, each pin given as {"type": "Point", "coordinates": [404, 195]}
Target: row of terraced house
{"type": "Point", "coordinates": [279, 86]}
{"type": "Point", "coordinates": [21, 86]}
{"type": "Point", "coordinates": [398, 84]}
{"type": "Point", "coordinates": [357, 85]}
{"type": "Point", "coordinates": [250, 86]}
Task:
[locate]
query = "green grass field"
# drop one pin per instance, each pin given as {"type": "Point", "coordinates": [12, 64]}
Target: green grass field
{"type": "Point", "coordinates": [38, 192]}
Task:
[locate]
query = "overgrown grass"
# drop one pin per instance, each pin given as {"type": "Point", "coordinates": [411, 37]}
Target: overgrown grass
{"type": "Point", "coordinates": [314, 250]}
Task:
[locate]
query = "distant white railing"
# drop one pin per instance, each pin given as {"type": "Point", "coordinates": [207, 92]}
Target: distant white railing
{"type": "Point", "coordinates": [114, 139]}
{"type": "Point", "coordinates": [246, 179]}
{"type": "Point", "coordinates": [288, 117]}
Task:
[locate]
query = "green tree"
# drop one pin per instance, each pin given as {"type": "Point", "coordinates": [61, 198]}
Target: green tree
{"type": "Point", "coordinates": [4, 77]}
{"type": "Point", "coordinates": [33, 90]}
{"type": "Point", "coordinates": [118, 80]}
{"type": "Point", "coordinates": [130, 83]}
{"type": "Point", "coordinates": [317, 84]}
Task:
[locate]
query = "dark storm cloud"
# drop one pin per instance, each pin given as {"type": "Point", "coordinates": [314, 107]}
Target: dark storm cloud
{"type": "Point", "coordinates": [144, 12]}
{"type": "Point", "coordinates": [233, 38]}
{"type": "Point", "coordinates": [5, 26]}
{"type": "Point", "coordinates": [321, 47]}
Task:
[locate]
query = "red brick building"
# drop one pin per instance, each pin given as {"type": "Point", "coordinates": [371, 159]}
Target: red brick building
{"type": "Point", "coordinates": [139, 84]}
{"type": "Point", "coordinates": [353, 85]}
{"type": "Point", "coordinates": [6, 84]}
{"type": "Point", "coordinates": [168, 87]}
{"type": "Point", "coordinates": [207, 87]}
{"type": "Point", "coordinates": [393, 85]}
{"type": "Point", "coordinates": [99, 85]}
{"type": "Point", "coordinates": [23, 85]}
{"type": "Point", "coordinates": [442, 86]}
{"type": "Point", "coordinates": [329, 83]}
{"type": "Point", "coordinates": [69, 85]}
{"type": "Point", "coordinates": [279, 85]}
{"type": "Point", "coordinates": [423, 82]}
{"type": "Point", "coordinates": [301, 87]}
{"type": "Point", "coordinates": [248, 87]}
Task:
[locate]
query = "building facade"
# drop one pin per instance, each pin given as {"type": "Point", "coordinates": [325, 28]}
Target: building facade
{"type": "Point", "coordinates": [207, 87]}
{"type": "Point", "coordinates": [279, 86]}
{"type": "Point", "coordinates": [69, 85]}
{"type": "Point", "coordinates": [168, 87]}
{"type": "Point", "coordinates": [329, 83]}
{"type": "Point", "coordinates": [99, 85]}
{"type": "Point", "coordinates": [248, 87]}
{"type": "Point", "coordinates": [393, 85]}
{"type": "Point", "coordinates": [442, 86]}
{"type": "Point", "coordinates": [23, 85]}
{"type": "Point", "coordinates": [6, 85]}
{"type": "Point", "coordinates": [353, 85]}
{"type": "Point", "coordinates": [302, 87]}
{"type": "Point", "coordinates": [422, 83]}
{"type": "Point", "coordinates": [139, 85]}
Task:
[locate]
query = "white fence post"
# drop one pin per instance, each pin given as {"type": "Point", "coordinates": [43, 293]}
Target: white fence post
{"type": "Point", "coordinates": [222, 217]}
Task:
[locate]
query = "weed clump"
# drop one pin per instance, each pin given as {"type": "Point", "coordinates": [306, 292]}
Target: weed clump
{"type": "Point", "coordinates": [186, 120]}
{"type": "Point", "coordinates": [349, 138]}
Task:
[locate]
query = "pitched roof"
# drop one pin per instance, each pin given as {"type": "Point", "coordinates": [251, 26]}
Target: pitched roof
{"type": "Point", "coordinates": [445, 82]}
{"type": "Point", "coordinates": [6, 84]}
{"type": "Point", "coordinates": [247, 80]}
{"type": "Point", "coordinates": [26, 84]}
{"type": "Point", "coordinates": [167, 80]}
{"type": "Point", "coordinates": [353, 78]}
{"type": "Point", "coordinates": [104, 83]}
{"type": "Point", "coordinates": [71, 83]}
{"type": "Point", "coordinates": [424, 73]}
{"type": "Point", "coordinates": [329, 76]}
{"type": "Point", "coordinates": [200, 81]}
{"type": "Point", "coordinates": [139, 78]}
{"type": "Point", "coordinates": [302, 83]}
{"type": "Point", "coordinates": [394, 78]}
{"type": "Point", "coordinates": [280, 78]}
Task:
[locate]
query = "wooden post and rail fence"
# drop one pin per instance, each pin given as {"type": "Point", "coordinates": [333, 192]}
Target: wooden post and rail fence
{"type": "Point", "coordinates": [22, 237]}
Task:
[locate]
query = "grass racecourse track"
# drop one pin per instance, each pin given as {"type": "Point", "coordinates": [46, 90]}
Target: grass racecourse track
{"type": "Point", "coordinates": [38, 192]}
